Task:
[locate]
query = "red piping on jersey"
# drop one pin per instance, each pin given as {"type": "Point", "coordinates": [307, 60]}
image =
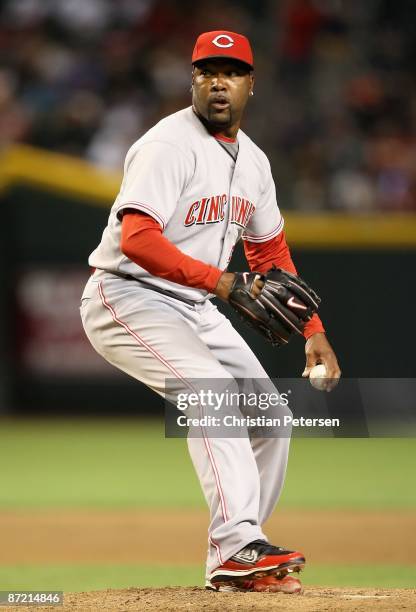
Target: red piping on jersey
{"type": "Point", "coordinates": [262, 256]}
{"type": "Point", "coordinates": [140, 341]}
{"type": "Point", "coordinates": [224, 138]}
{"type": "Point", "coordinates": [217, 548]}
{"type": "Point", "coordinates": [143, 208]}
{"type": "Point", "coordinates": [264, 237]}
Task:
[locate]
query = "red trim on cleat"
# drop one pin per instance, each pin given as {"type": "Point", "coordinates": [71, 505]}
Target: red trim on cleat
{"type": "Point", "coordinates": [268, 584]}
{"type": "Point", "coordinates": [269, 564]}
{"type": "Point", "coordinates": [271, 584]}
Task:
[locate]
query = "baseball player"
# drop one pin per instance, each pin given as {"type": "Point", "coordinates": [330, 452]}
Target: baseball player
{"type": "Point", "coordinates": [193, 185]}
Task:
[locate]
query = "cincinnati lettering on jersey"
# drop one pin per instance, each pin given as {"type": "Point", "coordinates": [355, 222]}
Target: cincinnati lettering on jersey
{"type": "Point", "coordinates": [241, 211]}
{"type": "Point", "coordinates": [212, 210]}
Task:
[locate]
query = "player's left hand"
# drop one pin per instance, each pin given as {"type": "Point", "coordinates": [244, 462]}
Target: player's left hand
{"type": "Point", "coordinates": [318, 350]}
{"type": "Point", "coordinates": [226, 281]}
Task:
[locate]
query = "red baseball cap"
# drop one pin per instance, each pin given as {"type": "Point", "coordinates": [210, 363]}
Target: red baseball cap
{"type": "Point", "coordinates": [221, 43]}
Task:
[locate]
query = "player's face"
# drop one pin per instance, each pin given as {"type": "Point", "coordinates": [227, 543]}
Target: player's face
{"type": "Point", "coordinates": [220, 91]}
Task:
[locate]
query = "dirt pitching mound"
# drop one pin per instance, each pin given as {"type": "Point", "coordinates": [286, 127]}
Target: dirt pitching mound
{"type": "Point", "coordinates": [313, 599]}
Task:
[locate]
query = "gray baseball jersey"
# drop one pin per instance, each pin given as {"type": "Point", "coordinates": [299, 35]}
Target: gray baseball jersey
{"type": "Point", "coordinates": [181, 176]}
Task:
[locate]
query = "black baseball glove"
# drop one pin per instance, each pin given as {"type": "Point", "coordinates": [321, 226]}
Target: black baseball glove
{"type": "Point", "coordinates": [283, 307]}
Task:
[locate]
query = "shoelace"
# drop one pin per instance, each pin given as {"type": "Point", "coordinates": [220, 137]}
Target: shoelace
{"type": "Point", "coordinates": [264, 548]}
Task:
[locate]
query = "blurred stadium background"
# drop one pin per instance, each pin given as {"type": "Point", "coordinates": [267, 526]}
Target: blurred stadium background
{"type": "Point", "coordinates": [81, 444]}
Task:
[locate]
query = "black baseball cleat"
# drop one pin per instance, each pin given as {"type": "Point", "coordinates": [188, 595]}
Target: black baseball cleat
{"type": "Point", "coordinates": [256, 560]}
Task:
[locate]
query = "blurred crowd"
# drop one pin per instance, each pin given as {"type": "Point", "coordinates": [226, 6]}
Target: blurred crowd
{"type": "Point", "coordinates": [335, 97]}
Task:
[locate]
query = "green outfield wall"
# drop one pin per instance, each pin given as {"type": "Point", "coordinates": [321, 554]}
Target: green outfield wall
{"type": "Point", "coordinates": [54, 209]}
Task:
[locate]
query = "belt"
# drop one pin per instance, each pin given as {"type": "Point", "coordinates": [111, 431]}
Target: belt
{"type": "Point", "coordinates": [145, 285]}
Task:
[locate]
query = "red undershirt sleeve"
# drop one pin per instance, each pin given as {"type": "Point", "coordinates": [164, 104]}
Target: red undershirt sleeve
{"type": "Point", "coordinates": [142, 242]}
{"type": "Point", "coordinates": [261, 256]}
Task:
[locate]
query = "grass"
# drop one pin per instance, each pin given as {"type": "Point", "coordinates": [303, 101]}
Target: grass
{"type": "Point", "coordinates": [84, 577]}
{"type": "Point", "coordinates": [122, 464]}
{"type": "Point", "coordinates": [129, 463]}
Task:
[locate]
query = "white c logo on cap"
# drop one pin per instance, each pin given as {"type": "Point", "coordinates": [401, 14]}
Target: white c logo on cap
{"type": "Point", "coordinates": [217, 42]}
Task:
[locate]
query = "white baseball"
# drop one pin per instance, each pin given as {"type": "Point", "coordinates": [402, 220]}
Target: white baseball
{"type": "Point", "coordinates": [318, 377]}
